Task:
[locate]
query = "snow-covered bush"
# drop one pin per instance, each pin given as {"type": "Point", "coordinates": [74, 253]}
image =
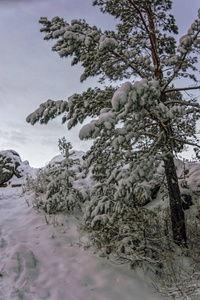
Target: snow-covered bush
{"type": "Point", "coordinates": [132, 235]}
{"type": "Point", "coordinates": [113, 193]}
{"type": "Point", "coordinates": [143, 238]}
{"type": "Point", "coordinates": [37, 186]}
{"type": "Point", "coordinates": [54, 185]}
{"type": "Point", "coordinates": [60, 194]}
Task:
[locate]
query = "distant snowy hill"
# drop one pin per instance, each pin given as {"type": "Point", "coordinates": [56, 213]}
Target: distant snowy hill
{"type": "Point", "coordinates": [77, 155]}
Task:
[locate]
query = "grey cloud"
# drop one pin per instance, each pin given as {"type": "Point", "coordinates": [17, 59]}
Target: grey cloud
{"type": "Point", "coordinates": [12, 138]}
{"type": "Point", "coordinates": [38, 143]}
{"type": "Point", "coordinates": [17, 1]}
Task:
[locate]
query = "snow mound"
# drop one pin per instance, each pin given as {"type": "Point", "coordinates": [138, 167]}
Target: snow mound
{"type": "Point", "coordinates": [12, 170]}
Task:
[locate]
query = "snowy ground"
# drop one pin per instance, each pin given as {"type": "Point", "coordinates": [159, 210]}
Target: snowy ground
{"type": "Point", "coordinates": [50, 261]}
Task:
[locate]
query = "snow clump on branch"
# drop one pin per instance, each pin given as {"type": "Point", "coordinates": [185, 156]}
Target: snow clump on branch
{"type": "Point", "coordinates": [135, 99]}
{"type": "Point", "coordinates": [120, 96]}
{"type": "Point", "coordinates": [106, 42]}
{"type": "Point", "coordinates": [191, 38]}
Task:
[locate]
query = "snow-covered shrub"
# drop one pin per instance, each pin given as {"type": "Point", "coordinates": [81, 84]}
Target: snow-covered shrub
{"type": "Point", "coordinates": [143, 238]}
{"type": "Point", "coordinates": [60, 194]}
{"type": "Point", "coordinates": [132, 235]}
{"type": "Point", "coordinates": [106, 201]}
{"type": "Point", "coordinates": [54, 186]}
{"type": "Point", "coordinates": [39, 184]}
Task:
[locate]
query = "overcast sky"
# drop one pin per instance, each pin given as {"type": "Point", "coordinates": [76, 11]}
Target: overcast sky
{"type": "Point", "coordinates": [30, 73]}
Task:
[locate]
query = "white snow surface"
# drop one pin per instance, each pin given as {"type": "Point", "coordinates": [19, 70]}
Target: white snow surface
{"type": "Point", "coordinates": [52, 261]}
{"type": "Point", "coordinates": [40, 261]}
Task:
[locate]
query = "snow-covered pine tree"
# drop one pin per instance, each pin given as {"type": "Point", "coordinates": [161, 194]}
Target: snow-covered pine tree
{"type": "Point", "coordinates": [60, 194]}
{"type": "Point", "coordinates": [147, 119]}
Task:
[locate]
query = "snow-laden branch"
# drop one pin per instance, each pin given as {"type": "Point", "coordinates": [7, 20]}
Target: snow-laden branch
{"type": "Point", "coordinates": [187, 44]}
{"type": "Point", "coordinates": [184, 142]}
{"type": "Point", "coordinates": [47, 111]}
{"type": "Point", "coordinates": [181, 102]}
{"type": "Point", "coordinates": [132, 65]}
{"type": "Point", "coordinates": [183, 89]}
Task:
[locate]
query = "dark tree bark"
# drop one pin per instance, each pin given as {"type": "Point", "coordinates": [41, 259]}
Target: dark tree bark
{"type": "Point", "coordinates": [177, 212]}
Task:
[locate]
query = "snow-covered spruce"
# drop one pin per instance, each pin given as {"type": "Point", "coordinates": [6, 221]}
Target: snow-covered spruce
{"type": "Point", "coordinates": [55, 186]}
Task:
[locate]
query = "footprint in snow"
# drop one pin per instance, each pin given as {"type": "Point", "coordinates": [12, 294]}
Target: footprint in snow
{"type": "Point", "coordinates": [23, 269]}
{"type": "Point", "coordinates": [3, 243]}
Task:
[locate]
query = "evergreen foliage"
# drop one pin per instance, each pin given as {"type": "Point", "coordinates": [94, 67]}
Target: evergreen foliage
{"type": "Point", "coordinates": [54, 186]}
{"type": "Point", "coordinates": [147, 119]}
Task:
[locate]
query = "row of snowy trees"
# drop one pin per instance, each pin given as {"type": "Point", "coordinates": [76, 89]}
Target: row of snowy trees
{"type": "Point", "coordinates": [144, 121]}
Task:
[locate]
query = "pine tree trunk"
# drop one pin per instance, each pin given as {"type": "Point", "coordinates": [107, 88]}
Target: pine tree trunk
{"type": "Point", "coordinates": [177, 213]}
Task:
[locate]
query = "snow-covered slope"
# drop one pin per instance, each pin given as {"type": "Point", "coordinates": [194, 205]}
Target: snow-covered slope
{"type": "Point", "coordinates": [44, 257]}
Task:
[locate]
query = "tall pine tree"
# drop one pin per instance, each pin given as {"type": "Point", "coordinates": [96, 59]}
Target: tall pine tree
{"type": "Point", "coordinates": [147, 119]}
